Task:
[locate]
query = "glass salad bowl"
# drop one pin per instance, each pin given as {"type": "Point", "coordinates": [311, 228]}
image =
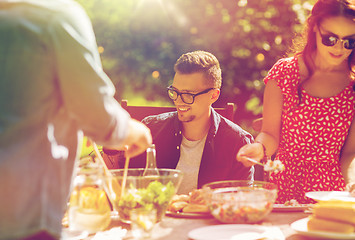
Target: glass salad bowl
{"type": "Point", "coordinates": [240, 201]}
{"type": "Point", "coordinates": [151, 193]}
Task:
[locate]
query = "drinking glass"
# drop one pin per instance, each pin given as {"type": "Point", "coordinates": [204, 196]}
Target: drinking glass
{"type": "Point", "coordinates": [142, 222]}
{"type": "Point", "coordinates": [89, 208]}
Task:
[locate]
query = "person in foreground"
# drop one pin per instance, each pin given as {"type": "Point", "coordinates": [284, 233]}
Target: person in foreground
{"type": "Point", "coordinates": [196, 139]}
{"type": "Point", "coordinates": [52, 89]}
{"type": "Point", "coordinates": [308, 112]}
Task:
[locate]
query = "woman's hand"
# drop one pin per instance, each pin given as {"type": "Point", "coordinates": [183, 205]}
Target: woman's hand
{"type": "Point", "coordinates": [350, 187]}
{"type": "Point", "coordinates": [253, 150]}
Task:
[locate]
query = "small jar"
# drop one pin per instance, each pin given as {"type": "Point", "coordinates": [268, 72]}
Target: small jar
{"type": "Point", "coordinates": [89, 208]}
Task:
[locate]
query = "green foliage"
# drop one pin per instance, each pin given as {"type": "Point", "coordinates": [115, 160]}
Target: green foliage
{"type": "Point", "coordinates": [141, 40]}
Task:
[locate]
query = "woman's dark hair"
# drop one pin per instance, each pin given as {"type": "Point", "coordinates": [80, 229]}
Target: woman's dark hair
{"type": "Point", "coordinates": [321, 10]}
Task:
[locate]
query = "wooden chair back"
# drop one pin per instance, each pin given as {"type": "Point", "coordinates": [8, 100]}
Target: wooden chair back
{"type": "Point", "coordinates": [140, 112]}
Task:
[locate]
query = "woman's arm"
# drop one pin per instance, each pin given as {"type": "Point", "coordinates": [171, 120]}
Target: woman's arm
{"type": "Point", "coordinates": [270, 132]}
{"type": "Point", "coordinates": [272, 111]}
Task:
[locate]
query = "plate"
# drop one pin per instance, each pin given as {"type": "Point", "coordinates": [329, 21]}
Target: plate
{"type": "Point", "coordinates": [290, 208]}
{"type": "Point", "coordinates": [188, 215]}
{"type": "Point", "coordinates": [335, 195]}
{"type": "Point", "coordinates": [300, 226]}
{"type": "Point", "coordinates": [68, 234]}
{"type": "Point", "coordinates": [235, 232]}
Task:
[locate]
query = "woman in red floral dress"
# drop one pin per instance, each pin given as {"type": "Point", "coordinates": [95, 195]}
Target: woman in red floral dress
{"type": "Point", "coordinates": [308, 111]}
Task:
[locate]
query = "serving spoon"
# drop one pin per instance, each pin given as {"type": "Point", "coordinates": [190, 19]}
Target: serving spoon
{"type": "Point", "coordinates": [270, 165]}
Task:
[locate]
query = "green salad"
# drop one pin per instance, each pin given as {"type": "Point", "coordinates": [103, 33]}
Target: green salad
{"type": "Point", "coordinates": [155, 196]}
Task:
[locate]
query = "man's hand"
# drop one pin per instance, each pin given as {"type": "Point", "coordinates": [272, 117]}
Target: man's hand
{"type": "Point", "coordinates": [138, 139]}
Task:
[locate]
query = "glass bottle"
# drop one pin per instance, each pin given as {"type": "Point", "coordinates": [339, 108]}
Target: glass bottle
{"type": "Point", "coordinates": [89, 208]}
{"type": "Point", "coordinates": [151, 164]}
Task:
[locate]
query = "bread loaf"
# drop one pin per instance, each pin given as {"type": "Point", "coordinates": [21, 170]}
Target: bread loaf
{"type": "Point", "coordinates": [195, 208]}
{"type": "Point", "coordinates": [319, 224]}
{"type": "Point", "coordinates": [335, 210]}
{"type": "Point", "coordinates": [177, 206]}
{"type": "Point", "coordinates": [196, 197]}
{"type": "Point", "coordinates": [333, 216]}
{"type": "Point", "coordinates": [192, 203]}
{"type": "Point", "coordinates": [180, 198]}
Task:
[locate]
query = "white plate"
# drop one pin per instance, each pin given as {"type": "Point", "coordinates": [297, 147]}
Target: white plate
{"type": "Point", "coordinates": [73, 235]}
{"type": "Point", "coordinates": [333, 195]}
{"type": "Point", "coordinates": [300, 226]}
{"type": "Point", "coordinates": [288, 208]}
{"type": "Point", "coordinates": [188, 215]}
{"type": "Point", "coordinates": [235, 232]}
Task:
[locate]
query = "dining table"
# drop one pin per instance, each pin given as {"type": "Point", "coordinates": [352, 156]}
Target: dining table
{"type": "Point", "coordinates": [178, 228]}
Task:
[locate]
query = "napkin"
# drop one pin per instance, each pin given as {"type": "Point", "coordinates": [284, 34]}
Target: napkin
{"type": "Point", "coordinates": [116, 233]}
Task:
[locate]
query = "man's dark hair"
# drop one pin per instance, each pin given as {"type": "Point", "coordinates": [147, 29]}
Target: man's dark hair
{"type": "Point", "coordinates": [201, 61]}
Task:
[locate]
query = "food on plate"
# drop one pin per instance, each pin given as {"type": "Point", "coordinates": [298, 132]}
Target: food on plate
{"type": "Point", "coordinates": [196, 197]}
{"type": "Point", "coordinates": [177, 206]}
{"type": "Point", "coordinates": [192, 203]}
{"type": "Point", "coordinates": [320, 224]}
{"type": "Point", "coordinates": [180, 198]}
{"type": "Point", "coordinates": [274, 166]}
{"type": "Point", "coordinates": [335, 210]}
{"type": "Point", "coordinates": [333, 216]}
{"type": "Point", "coordinates": [292, 202]}
{"type": "Point", "coordinates": [195, 208]}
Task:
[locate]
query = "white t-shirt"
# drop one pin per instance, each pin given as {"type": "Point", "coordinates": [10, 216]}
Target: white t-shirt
{"type": "Point", "coordinates": [189, 163]}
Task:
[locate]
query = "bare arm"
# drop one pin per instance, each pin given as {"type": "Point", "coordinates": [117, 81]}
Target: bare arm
{"type": "Point", "coordinates": [271, 125]}
{"type": "Point", "coordinates": [272, 110]}
{"type": "Point", "coordinates": [347, 157]}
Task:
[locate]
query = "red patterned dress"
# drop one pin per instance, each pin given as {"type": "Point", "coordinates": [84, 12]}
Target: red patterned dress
{"type": "Point", "coordinates": [312, 136]}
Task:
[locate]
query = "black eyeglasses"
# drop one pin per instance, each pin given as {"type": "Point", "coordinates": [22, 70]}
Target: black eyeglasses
{"type": "Point", "coordinates": [330, 40]}
{"type": "Point", "coordinates": [187, 98]}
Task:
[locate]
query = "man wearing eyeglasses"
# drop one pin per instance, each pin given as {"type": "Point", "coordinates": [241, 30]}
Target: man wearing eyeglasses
{"type": "Point", "coordinates": [195, 138]}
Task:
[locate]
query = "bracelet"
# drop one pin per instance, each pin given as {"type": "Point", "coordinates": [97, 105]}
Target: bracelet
{"type": "Point", "coordinates": [264, 149]}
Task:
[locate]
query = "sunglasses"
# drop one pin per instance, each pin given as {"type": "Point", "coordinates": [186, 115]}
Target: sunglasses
{"type": "Point", "coordinates": [188, 98]}
{"type": "Point", "coordinates": [330, 40]}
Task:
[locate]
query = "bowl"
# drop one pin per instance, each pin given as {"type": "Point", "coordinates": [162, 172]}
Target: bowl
{"type": "Point", "coordinates": [145, 193]}
{"type": "Point", "coordinates": [240, 201]}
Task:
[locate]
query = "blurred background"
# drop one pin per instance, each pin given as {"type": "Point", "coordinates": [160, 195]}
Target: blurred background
{"type": "Point", "coordinates": [140, 40]}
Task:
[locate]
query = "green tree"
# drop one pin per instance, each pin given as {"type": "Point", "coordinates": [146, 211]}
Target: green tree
{"type": "Point", "coordinates": [140, 41]}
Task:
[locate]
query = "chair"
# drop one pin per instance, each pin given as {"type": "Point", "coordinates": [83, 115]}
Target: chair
{"type": "Point", "coordinates": [140, 112]}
